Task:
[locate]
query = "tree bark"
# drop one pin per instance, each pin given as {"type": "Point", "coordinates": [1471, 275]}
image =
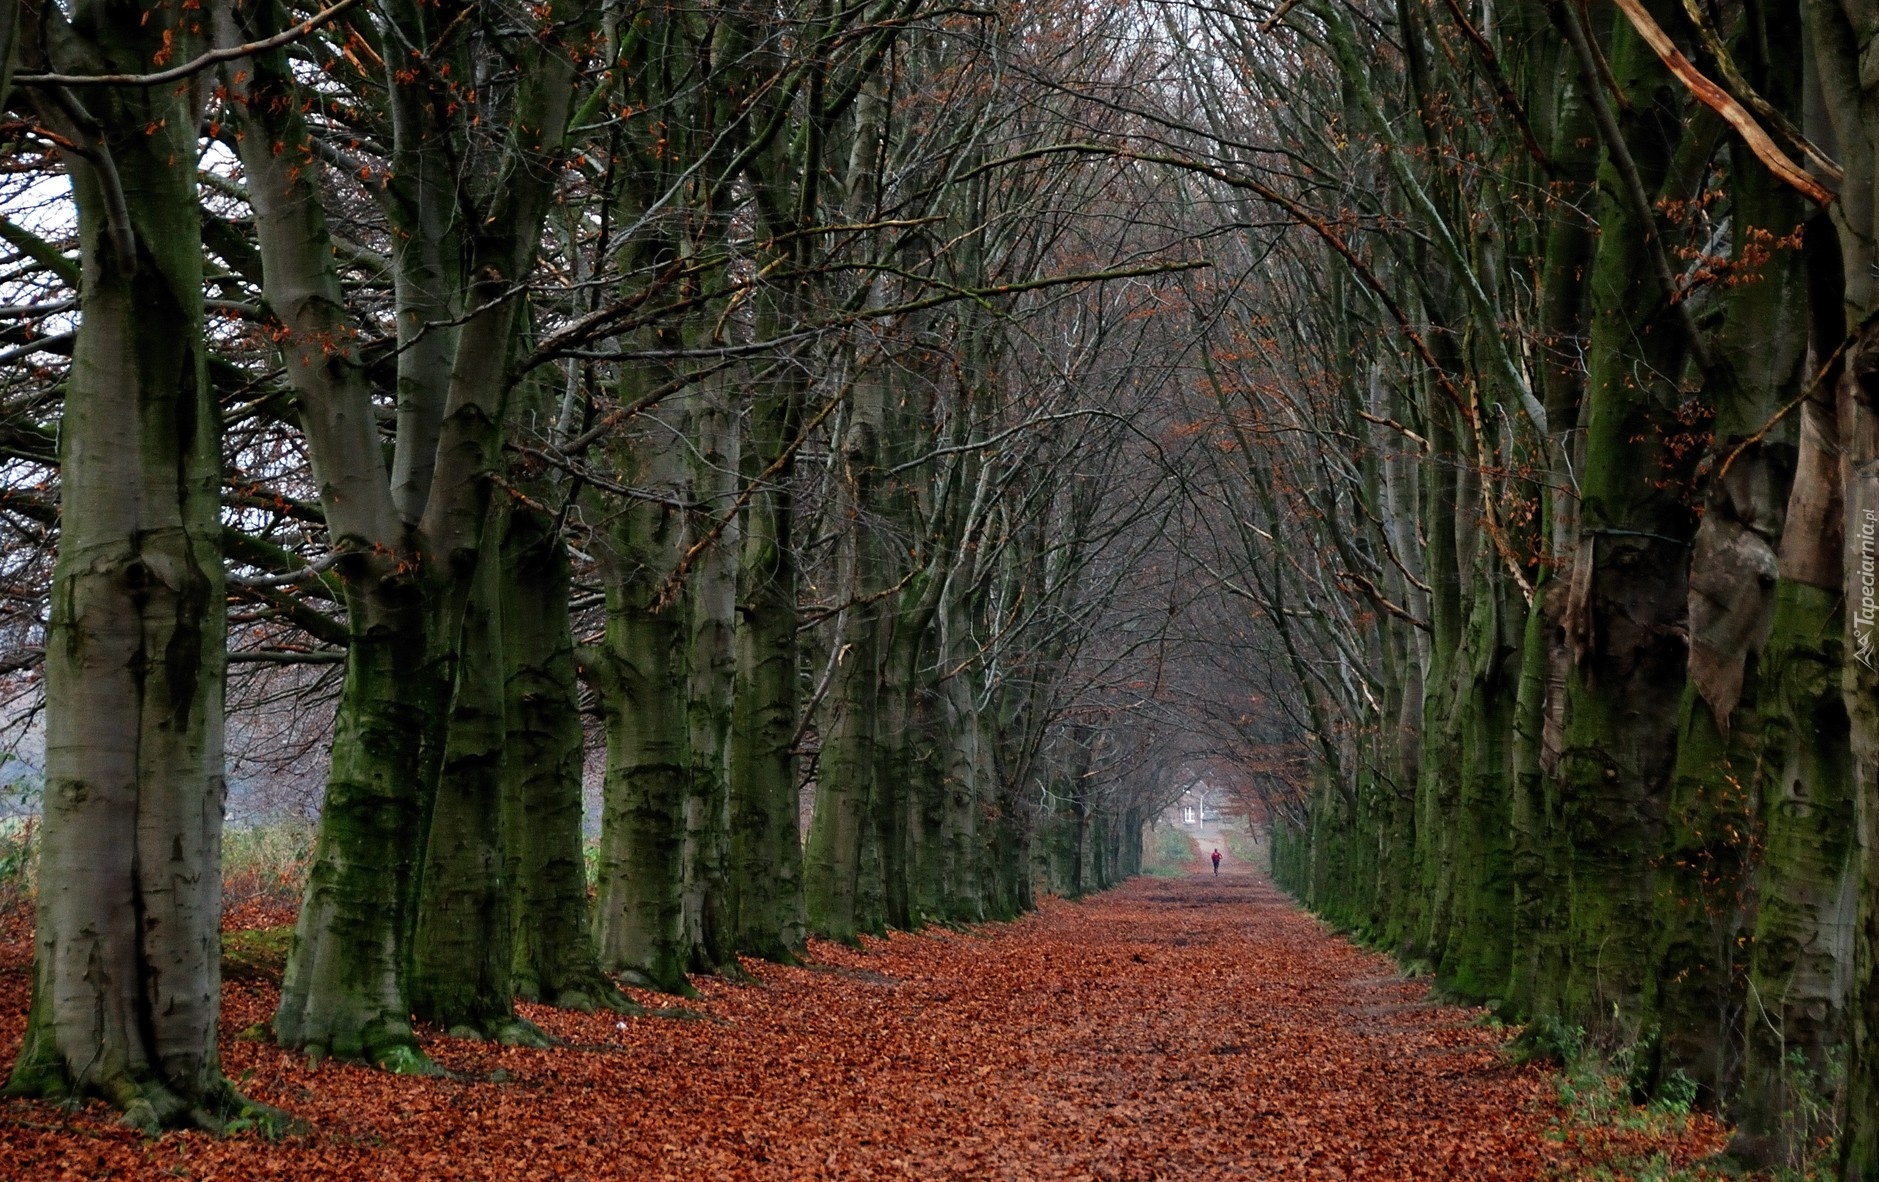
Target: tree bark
{"type": "Point", "coordinates": [126, 985]}
{"type": "Point", "coordinates": [463, 949]}
{"type": "Point", "coordinates": [1841, 35]}
{"type": "Point", "coordinates": [410, 539]}
{"type": "Point", "coordinates": [711, 593]}
{"type": "Point", "coordinates": [555, 961]}
{"type": "Point", "coordinates": [766, 841]}
{"type": "Point", "coordinates": [640, 669]}
{"type": "Point", "coordinates": [841, 900]}
{"type": "Point", "coordinates": [1626, 604]}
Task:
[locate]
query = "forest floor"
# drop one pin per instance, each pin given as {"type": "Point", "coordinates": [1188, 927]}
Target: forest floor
{"type": "Point", "coordinates": [1186, 1027]}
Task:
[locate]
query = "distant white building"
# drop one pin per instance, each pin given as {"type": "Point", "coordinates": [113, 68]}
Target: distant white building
{"type": "Point", "coordinates": [1198, 807]}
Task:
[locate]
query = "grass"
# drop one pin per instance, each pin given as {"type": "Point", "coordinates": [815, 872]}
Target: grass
{"type": "Point", "coordinates": [1246, 845]}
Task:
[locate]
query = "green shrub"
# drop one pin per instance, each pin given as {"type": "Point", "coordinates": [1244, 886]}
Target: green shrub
{"type": "Point", "coordinates": [1598, 1092]}
{"type": "Point", "coordinates": [1548, 1040]}
{"type": "Point", "coordinates": [1676, 1095]}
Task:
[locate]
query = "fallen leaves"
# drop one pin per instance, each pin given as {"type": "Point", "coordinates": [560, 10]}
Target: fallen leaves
{"type": "Point", "coordinates": [1173, 1028]}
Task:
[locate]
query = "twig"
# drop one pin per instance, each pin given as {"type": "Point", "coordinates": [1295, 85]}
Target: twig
{"type": "Point", "coordinates": [270, 656]}
{"type": "Point", "coordinates": [1807, 392]}
{"type": "Point", "coordinates": [213, 57]}
{"type": "Point", "coordinates": [1723, 103]}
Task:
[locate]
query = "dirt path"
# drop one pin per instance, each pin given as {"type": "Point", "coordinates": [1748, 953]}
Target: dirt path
{"type": "Point", "coordinates": [1179, 1028]}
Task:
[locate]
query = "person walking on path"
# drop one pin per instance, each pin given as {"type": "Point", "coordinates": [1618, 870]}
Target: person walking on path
{"type": "Point", "coordinates": [1216, 863]}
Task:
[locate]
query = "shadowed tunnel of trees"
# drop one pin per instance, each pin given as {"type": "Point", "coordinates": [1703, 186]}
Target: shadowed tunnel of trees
{"type": "Point", "coordinates": [885, 452]}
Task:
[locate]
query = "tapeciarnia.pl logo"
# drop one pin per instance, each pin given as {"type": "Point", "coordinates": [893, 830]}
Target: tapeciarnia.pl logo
{"type": "Point", "coordinates": [1868, 611]}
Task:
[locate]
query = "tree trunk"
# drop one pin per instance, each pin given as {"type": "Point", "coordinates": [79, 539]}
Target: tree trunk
{"type": "Point", "coordinates": [1801, 960]}
{"type": "Point", "coordinates": [1626, 603]}
{"type": "Point", "coordinates": [967, 773]}
{"type": "Point", "coordinates": [893, 769]}
{"type": "Point", "coordinates": [409, 539]}
{"type": "Point", "coordinates": [841, 862]}
{"type": "Point", "coordinates": [711, 593]}
{"type": "Point", "coordinates": [1859, 414]}
{"type": "Point", "coordinates": [1535, 861]}
{"type": "Point", "coordinates": [339, 997]}
{"type": "Point", "coordinates": [463, 952]}
{"type": "Point", "coordinates": [555, 962]}
{"type": "Point", "coordinates": [1008, 861]}
{"type": "Point", "coordinates": [1478, 953]}
{"type": "Point", "coordinates": [344, 990]}
{"type": "Point", "coordinates": [126, 987]}
{"type": "Point", "coordinates": [837, 857]}
{"type": "Point", "coordinates": [640, 670]}
{"type": "Point", "coordinates": [926, 886]}
{"type": "Point", "coordinates": [1800, 974]}
{"type": "Point", "coordinates": [766, 841]}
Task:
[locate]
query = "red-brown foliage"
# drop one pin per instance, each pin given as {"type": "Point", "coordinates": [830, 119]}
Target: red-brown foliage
{"type": "Point", "coordinates": [1192, 1028]}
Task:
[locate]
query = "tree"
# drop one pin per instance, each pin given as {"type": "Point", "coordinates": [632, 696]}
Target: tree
{"type": "Point", "coordinates": [408, 542]}
{"type": "Point", "coordinates": [127, 981]}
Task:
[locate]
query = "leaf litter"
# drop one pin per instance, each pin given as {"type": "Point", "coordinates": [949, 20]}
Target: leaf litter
{"type": "Point", "coordinates": [1190, 1027]}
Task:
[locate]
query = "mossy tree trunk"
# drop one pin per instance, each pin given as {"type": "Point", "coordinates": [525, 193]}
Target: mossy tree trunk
{"type": "Point", "coordinates": [555, 961]}
{"type": "Point", "coordinates": [126, 984]}
{"type": "Point", "coordinates": [409, 538]}
{"type": "Point", "coordinates": [1626, 601]}
{"type": "Point", "coordinates": [927, 783]}
{"type": "Point", "coordinates": [1535, 862]}
{"type": "Point", "coordinates": [822, 157]}
{"type": "Point", "coordinates": [1426, 924]}
{"type": "Point", "coordinates": [1712, 856]}
{"type": "Point", "coordinates": [1841, 32]}
{"type": "Point", "coordinates": [1551, 90]}
{"type": "Point", "coordinates": [344, 997]}
{"type": "Point", "coordinates": [463, 948]}
{"type": "Point", "coordinates": [640, 670]}
{"type": "Point", "coordinates": [840, 904]}
{"type": "Point", "coordinates": [1800, 978]}
{"type": "Point", "coordinates": [344, 993]}
{"type": "Point", "coordinates": [967, 767]}
{"type": "Point", "coordinates": [711, 594]}
{"type": "Point", "coordinates": [1477, 955]}
{"type": "Point", "coordinates": [894, 803]}
{"type": "Point", "coordinates": [766, 867]}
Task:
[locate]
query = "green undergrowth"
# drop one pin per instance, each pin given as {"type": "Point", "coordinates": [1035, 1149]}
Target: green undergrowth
{"type": "Point", "coordinates": [590, 863]}
{"type": "Point", "coordinates": [19, 835]}
{"type": "Point", "coordinates": [1603, 1104]}
{"type": "Point", "coordinates": [1167, 852]}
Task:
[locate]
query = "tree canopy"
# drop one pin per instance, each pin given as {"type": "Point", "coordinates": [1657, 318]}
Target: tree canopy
{"type": "Point", "coordinates": [890, 450]}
